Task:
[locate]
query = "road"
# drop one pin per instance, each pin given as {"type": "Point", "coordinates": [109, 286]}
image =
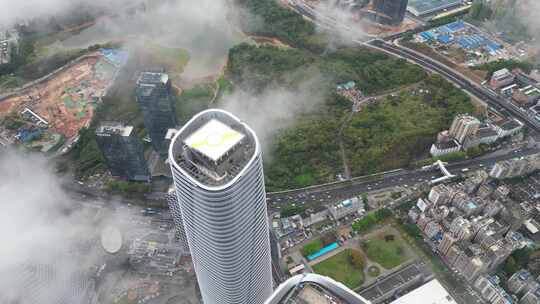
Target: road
{"type": "Point", "coordinates": [330, 193]}
{"type": "Point", "coordinates": [493, 99]}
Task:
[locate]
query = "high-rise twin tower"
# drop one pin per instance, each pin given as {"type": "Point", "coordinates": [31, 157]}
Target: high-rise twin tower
{"type": "Point", "coordinates": [218, 175]}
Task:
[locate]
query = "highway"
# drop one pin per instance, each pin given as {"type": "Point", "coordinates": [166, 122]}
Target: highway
{"type": "Point", "coordinates": [329, 193]}
{"type": "Point", "coordinates": [493, 99]}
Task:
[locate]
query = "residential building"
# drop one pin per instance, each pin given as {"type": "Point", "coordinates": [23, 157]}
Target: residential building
{"type": "Point", "coordinates": [440, 194]}
{"type": "Point", "coordinates": [498, 253]}
{"type": "Point", "coordinates": [432, 228]}
{"type": "Point", "coordinates": [158, 106]}
{"type": "Point", "coordinates": [423, 220]}
{"type": "Point", "coordinates": [217, 170]}
{"type": "Point", "coordinates": [518, 281]}
{"type": "Point", "coordinates": [314, 288]}
{"type": "Point", "coordinates": [447, 241]}
{"type": "Point", "coordinates": [484, 135]}
{"type": "Point", "coordinates": [490, 290]}
{"type": "Point", "coordinates": [501, 78]}
{"type": "Point", "coordinates": [123, 151]}
{"type": "Point", "coordinates": [463, 126]}
{"type": "Point", "coordinates": [516, 167]}
{"type": "Point", "coordinates": [461, 228]}
{"type": "Point", "coordinates": [531, 297]}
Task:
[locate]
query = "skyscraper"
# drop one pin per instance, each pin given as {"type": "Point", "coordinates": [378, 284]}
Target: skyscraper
{"type": "Point", "coordinates": [217, 170]}
{"type": "Point", "coordinates": [158, 107]}
{"type": "Point", "coordinates": [176, 212]}
{"type": "Point", "coordinates": [391, 12]}
{"type": "Point", "coordinates": [123, 151]}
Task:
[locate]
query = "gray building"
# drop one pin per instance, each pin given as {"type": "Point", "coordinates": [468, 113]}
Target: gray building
{"type": "Point", "coordinates": [158, 106]}
{"type": "Point", "coordinates": [217, 170]}
{"type": "Point", "coordinates": [391, 12]}
{"type": "Point", "coordinates": [123, 151]}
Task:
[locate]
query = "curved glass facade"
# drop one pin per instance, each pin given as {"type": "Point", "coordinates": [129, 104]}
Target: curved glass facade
{"type": "Point", "coordinates": [226, 224]}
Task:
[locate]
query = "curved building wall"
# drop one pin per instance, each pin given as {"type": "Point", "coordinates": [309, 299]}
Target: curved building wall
{"type": "Point", "coordinates": [226, 229]}
{"type": "Point", "coordinates": [176, 212]}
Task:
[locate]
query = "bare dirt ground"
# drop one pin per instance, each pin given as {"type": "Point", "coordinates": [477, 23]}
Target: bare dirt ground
{"type": "Point", "coordinates": [68, 99]}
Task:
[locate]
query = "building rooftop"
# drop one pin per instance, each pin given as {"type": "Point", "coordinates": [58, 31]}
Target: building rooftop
{"type": "Point", "coordinates": [152, 78]}
{"type": "Point", "coordinates": [214, 139]}
{"type": "Point", "coordinates": [432, 292]}
{"type": "Point", "coordinates": [501, 74]}
{"type": "Point", "coordinates": [424, 7]}
{"type": "Point", "coordinates": [314, 289]}
{"type": "Point", "coordinates": [446, 145]}
{"type": "Point", "coordinates": [508, 124]}
{"type": "Point", "coordinates": [109, 129]}
{"type": "Point", "coordinates": [213, 148]}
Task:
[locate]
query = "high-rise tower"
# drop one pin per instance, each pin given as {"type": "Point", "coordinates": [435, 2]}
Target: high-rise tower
{"type": "Point", "coordinates": [158, 107]}
{"type": "Point", "coordinates": [123, 151]}
{"type": "Point", "coordinates": [391, 12]}
{"type": "Point", "coordinates": [217, 170]}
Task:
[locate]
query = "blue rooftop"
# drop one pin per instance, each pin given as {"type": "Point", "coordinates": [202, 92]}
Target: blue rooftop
{"type": "Point", "coordinates": [445, 38]}
{"type": "Point", "coordinates": [323, 251]}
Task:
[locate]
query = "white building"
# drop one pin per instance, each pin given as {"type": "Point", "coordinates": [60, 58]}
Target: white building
{"type": "Point", "coordinates": [432, 292]}
{"type": "Point", "coordinates": [345, 208]}
{"type": "Point", "coordinates": [217, 170]}
{"type": "Point", "coordinates": [463, 126]}
{"type": "Point", "coordinates": [508, 127]}
{"type": "Point", "coordinates": [442, 148]}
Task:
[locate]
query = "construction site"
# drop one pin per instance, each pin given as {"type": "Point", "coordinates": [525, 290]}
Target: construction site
{"type": "Point", "coordinates": [62, 103]}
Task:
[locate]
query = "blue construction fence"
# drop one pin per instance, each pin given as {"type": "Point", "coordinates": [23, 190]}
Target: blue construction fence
{"type": "Point", "coordinates": [323, 251]}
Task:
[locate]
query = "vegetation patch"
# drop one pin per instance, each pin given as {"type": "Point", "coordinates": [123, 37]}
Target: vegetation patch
{"type": "Point", "coordinates": [369, 221]}
{"type": "Point", "coordinates": [173, 59]}
{"type": "Point", "coordinates": [193, 101]}
{"type": "Point", "coordinates": [343, 268]}
{"type": "Point", "coordinates": [373, 271]}
{"type": "Point", "coordinates": [387, 250]}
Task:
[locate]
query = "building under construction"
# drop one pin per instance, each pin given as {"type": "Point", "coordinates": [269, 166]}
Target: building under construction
{"type": "Point", "coordinates": [123, 151]}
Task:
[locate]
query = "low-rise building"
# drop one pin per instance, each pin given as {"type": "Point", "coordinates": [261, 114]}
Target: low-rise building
{"type": "Point", "coordinates": [443, 148]}
{"type": "Point", "coordinates": [501, 78]}
{"type": "Point", "coordinates": [508, 127]}
{"type": "Point", "coordinates": [531, 297]}
{"type": "Point", "coordinates": [526, 96]}
{"type": "Point", "coordinates": [484, 135]}
{"type": "Point", "coordinates": [345, 208]}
